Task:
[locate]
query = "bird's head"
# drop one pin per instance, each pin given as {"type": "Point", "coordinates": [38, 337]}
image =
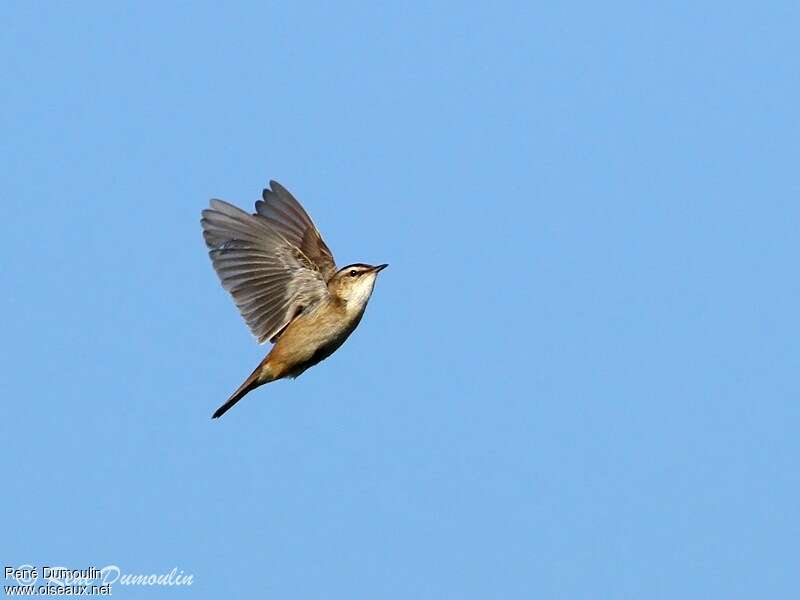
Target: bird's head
{"type": "Point", "coordinates": [353, 284]}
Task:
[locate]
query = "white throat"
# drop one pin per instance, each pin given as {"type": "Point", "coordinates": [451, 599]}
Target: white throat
{"type": "Point", "coordinates": [359, 295]}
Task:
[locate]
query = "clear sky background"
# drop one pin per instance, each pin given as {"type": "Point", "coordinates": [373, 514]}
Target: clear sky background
{"type": "Point", "coordinates": [578, 377]}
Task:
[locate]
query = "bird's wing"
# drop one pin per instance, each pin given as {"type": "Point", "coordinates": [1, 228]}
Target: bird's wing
{"type": "Point", "coordinates": [274, 263]}
{"type": "Point", "coordinates": [288, 218]}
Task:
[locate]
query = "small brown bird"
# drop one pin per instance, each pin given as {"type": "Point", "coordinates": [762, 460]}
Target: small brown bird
{"type": "Point", "coordinates": [284, 281]}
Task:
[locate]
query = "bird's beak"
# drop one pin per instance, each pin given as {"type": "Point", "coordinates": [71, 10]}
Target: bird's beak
{"type": "Point", "coordinates": [380, 268]}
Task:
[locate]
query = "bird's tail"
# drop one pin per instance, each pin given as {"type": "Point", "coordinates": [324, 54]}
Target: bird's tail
{"type": "Point", "coordinates": [249, 385]}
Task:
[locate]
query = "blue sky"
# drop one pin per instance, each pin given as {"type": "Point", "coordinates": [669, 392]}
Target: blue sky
{"type": "Point", "coordinates": [577, 378]}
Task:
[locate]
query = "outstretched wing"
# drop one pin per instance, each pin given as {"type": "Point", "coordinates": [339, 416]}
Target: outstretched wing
{"type": "Point", "coordinates": [287, 217]}
{"type": "Point", "coordinates": [274, 263]}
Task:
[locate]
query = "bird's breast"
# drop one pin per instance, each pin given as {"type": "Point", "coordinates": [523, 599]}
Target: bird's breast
{"type": "Point", "coordinates": [311, 338]}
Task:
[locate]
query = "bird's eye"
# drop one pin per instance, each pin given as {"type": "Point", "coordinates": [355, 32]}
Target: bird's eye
{"type": "Point", "coordinates": [353, 273]}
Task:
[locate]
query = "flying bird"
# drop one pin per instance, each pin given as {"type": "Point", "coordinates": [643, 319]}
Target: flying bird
{"type": "Point", "coordinates": [284, 280]}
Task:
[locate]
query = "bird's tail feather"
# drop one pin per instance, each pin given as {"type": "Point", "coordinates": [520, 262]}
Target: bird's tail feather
{"type": "Point", "coordinates": [249, 385]}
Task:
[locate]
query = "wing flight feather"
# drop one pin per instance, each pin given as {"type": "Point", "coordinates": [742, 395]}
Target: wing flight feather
{"type": "Point", "coordinates": [274, 262]}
